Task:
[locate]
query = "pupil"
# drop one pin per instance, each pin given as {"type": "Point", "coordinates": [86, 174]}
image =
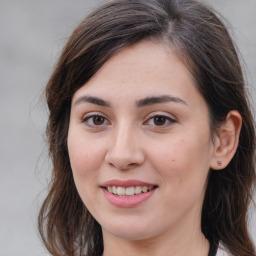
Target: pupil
{"type": "Point", "coordinates": [159, 120]}
{"type": "Point", "coordinates": [98, 120]}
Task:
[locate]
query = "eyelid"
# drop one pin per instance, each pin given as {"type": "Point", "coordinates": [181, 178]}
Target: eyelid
{"type": "Point", "coordinates": [87, 117]}
{"type": "Point", "coordinates": [171, 119]}
{"type": "Point", "coordinates": [159, 113]}
{"type": "Point", "coordinates": [90, 114]}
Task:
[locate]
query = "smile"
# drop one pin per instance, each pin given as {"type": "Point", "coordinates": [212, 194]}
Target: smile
{"type": "Point", "coordinates": [129, 191]}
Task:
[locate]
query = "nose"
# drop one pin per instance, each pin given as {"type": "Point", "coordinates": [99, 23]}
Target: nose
{"type": "Point", "coordinates": [125, 149]}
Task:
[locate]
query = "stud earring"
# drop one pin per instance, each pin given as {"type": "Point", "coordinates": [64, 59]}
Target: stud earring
{"type": "Point", "coordinates": [219, 162]}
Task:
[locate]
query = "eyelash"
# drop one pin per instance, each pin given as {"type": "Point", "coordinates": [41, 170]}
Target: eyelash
{"type": "Point", "coordinates": [90, 121]}
{"type": "Point", "coordinates": [167, 120]}
{"type": "Point", "coordinates": [92, 118]}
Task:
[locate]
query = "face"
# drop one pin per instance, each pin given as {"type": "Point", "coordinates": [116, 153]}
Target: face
{"type": "Point", "coordinates": [140, 145]}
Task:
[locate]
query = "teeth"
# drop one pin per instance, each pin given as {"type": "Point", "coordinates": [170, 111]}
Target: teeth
{"type": "Point", "coordinates": [144, 189]}
{"type": "Point", "coordinates": [120, 191]}
{"type": "Point", "coordinates": [138, 190]}
{"type": "Point", "coordinates": [129, 191]}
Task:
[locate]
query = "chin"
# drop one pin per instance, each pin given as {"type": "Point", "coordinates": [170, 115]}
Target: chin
{"type": "Point", "coordinates": [130, 230]}
{"type": "Point", "coordinates": [131, 235]}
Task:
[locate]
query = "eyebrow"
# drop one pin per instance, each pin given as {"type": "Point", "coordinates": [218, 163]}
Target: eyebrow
{"type": "Point", "coordinates": [159, 99]}
{"type": "Point", "coordinates": [140, 103]}
{"type": "Point", "coordinates": [93, 100]}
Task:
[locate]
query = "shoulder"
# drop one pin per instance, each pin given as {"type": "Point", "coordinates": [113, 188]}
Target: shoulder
{"type": "Point", "coordinates": [221, 251]}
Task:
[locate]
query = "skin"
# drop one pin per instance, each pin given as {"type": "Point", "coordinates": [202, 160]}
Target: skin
{"type": "Point", "coordinates": [128, 142]}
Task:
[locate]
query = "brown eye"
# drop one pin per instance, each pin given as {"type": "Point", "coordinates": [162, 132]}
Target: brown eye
{"type": "Point", "coordinates": [95, 120]}
{"type": "Point", "coordinates": [159, 120]}
{"type": "Point", "coordinates": [98, 120]}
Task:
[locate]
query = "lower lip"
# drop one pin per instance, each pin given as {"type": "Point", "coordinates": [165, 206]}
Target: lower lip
{"type": "Point", "coordinates": [127, 201]}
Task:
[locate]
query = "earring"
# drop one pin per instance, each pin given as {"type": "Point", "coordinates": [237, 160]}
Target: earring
{"type": "Point", "coordinates": [219, 162]}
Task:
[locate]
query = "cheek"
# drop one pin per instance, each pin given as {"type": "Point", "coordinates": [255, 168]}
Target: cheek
{"type": "Point", "coordinates": [183, 163]}
{"type": "Point", "coordinates": [85, 157]}
{"type": "Point", "coordinates": [85, 160]}
{"type": "Point", "coordinates": [183, 176]}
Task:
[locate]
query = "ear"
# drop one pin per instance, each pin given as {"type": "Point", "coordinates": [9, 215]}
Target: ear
{"type": "Point", "coordinates": [226, 141]}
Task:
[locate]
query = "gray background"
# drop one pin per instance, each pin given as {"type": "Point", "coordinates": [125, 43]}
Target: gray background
{"type": "Point", "coordinates": [32, 34]}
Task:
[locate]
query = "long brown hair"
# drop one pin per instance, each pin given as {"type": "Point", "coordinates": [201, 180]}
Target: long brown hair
{"type": "Point", "coordinates": [202, 41]}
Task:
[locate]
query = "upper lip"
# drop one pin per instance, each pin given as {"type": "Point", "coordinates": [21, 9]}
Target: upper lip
{"type": "Point", "coordinates": [126, 183]}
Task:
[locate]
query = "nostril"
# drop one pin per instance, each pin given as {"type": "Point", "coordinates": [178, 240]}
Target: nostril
{"type": "Point", "coordinates": [124, 158]}
{"type": "Point", "coordinates": [124, 166]}
{"type": "Point", "coordinates": [127, 166]}
{"type": "Point", "coordinates": [132, 164]}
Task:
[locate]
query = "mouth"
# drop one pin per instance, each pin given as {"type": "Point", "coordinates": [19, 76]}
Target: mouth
{"type": "Point", "coordinates": [128, 191]}
{"type": "Point", "coordinates": [125, 191]}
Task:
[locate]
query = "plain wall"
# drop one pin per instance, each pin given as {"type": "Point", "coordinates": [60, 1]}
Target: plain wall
{"type": "Point", "coordinates": [32, 34]}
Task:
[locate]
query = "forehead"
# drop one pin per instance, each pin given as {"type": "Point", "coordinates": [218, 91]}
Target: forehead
{"type": "Point", "coordinates": [144, 68]}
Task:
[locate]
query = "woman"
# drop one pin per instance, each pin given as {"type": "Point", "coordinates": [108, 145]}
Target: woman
{"type": "Point", "coordinates": [150, 134]}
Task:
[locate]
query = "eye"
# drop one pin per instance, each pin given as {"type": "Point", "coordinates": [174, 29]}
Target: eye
{"type": "Point", "coordinates": [160, 120]}
{"type": "Point", "coordinates": [95, 120]}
